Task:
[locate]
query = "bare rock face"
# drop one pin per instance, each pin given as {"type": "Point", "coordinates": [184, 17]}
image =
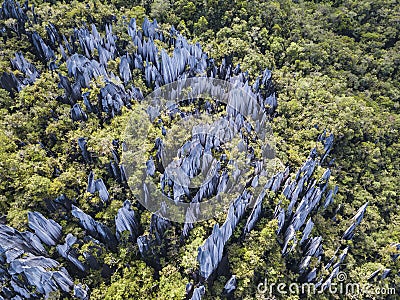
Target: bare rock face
{"type": "Point", "coordinates": [94, 228]}
{"type": "Point", "coordinates": [126, 221]}
{"type": "Point", "coordinates": [49, 231]}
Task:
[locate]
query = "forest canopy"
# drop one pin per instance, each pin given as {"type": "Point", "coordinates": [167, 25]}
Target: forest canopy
{"type": "Point", "coordinates": [72, 74]}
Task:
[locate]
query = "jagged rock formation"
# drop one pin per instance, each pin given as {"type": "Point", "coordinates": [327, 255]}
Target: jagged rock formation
{"type": "Point", "coordinates": [86, 54]}
{"type": "Point", "coordinates": [48, 231]}
{"type": "Point", "coordinates": [94, 228]}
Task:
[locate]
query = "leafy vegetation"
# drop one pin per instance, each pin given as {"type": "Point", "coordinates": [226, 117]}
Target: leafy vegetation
{"type": "Point", "coordinates": [335, 66]}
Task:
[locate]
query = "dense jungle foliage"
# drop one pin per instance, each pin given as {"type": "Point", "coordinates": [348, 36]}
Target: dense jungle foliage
{"type": "Point", "coordinates": [335, 67]}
